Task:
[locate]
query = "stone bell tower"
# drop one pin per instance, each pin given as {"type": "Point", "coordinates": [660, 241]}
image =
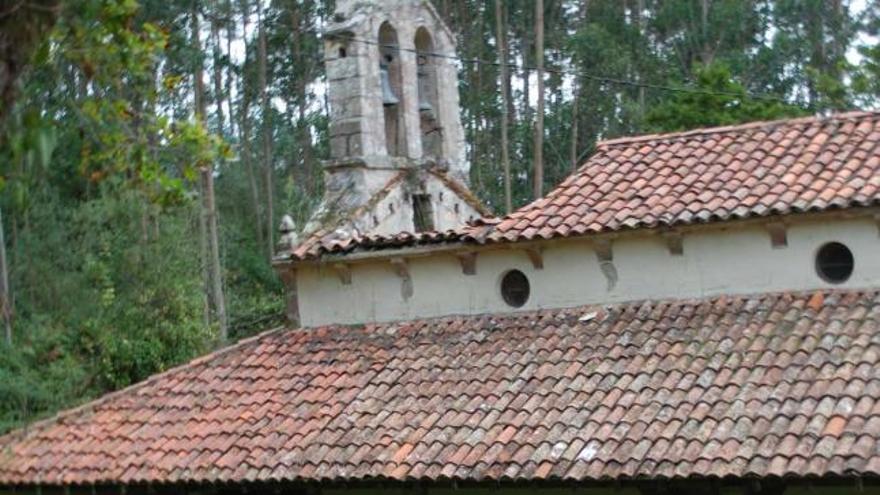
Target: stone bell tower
{"type": "Point", "coordinates": [393, 92]}
{"type": "Point", "coordinates": [397, 153]}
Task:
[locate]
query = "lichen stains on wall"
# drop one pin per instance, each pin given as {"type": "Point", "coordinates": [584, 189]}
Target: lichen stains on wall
{"type": "Point", "coordinates": [726, 260]}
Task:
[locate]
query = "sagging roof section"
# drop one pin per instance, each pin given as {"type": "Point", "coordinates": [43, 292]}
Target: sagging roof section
{"type": "Point", "coordinates": [708, 175]}
{"type": "Point", "coordinates": [765, 385]}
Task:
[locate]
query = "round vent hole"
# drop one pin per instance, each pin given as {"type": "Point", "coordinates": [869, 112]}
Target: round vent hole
{"type": "Point", "coordinates": [834, 263]}
{"type": "Point", "coordinates": [515, 288]}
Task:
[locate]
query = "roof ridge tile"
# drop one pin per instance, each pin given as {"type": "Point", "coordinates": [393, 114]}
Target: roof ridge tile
{"type": "Point", "coordinates": [757, 169]}
{"type": "Point", "coordinates": [762, 124]}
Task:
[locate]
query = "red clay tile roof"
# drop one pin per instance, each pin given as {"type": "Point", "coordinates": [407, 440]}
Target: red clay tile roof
{"type": "Point", "coordinates": [706, 175]}
{"type": "Point", "coordinates": [765, 385]}
{"type": "Point", "coordinates": [751, 170]}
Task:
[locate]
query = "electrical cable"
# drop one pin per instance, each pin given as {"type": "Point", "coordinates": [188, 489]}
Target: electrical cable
{"type": "Point", "coordinates": [585, 75]}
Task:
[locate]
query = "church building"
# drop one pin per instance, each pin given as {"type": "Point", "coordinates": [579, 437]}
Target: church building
{"type": "Point", "coordinates": [695, 312]}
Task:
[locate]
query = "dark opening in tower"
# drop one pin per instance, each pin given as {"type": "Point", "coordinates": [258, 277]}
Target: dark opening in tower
{"type": "Point", "coordinates": [431, 130]}
{"type": "Point", "coordinates": [423, 213]}
{"type": "Point", "coordinates": [392, 100]}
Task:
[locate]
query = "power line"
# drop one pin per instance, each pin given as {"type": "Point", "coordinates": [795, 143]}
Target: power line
{"type": "Point", "coordinates": [573, 73]}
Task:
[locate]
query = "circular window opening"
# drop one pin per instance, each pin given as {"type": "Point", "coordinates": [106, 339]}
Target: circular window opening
{"type": "Point", "coordinates": [834, 263]}
{"type": "Point", "coordinates": [515, 288]}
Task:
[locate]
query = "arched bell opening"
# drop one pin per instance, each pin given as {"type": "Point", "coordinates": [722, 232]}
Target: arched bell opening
{"type": "Point", "coordinates": [431, 131]}
{"type": "Point", "coordinates": [392, 98]}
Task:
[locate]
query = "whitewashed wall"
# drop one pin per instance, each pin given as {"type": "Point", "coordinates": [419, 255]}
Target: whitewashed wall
{"type": "Point", "coordinates": [733, 260]}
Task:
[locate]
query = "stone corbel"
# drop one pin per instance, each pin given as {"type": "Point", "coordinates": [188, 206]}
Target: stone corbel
{"type": "Point", "coordinates": [343, 271]}
{"type": "Point", "coordinates": [536, 256]}
{"type": "Point", "coordinates": [606, 261]}
{"type": "Point", "coordinates": [401, 268]}
{"type": "Point", "coordinates": [468, 262]}
{"type": "Point", "coordinates": [778, 235]}
{"type": "Point", "coordinates": [674, 242]}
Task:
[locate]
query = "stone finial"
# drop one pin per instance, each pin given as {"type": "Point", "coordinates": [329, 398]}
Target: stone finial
{"type": "Point", "coordinates": [345, 6]}
{"type": "Point", "coordinates": [287, 228]}
{"type": "Point", "coordinates": [288, 225]}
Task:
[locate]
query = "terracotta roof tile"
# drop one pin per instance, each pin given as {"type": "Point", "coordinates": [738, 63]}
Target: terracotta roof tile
{"type": "Point", "coordinates": [706, 175]}
{"type": "Point", "coordinates": [775, 384]}
{"type": "Point", "coordinates": [706, 184]}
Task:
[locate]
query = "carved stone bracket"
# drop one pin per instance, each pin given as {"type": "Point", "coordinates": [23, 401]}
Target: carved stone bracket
{"type": "Point", "coordinates": [606, 261]}
{"type": "Point", "coordinates": [778, 235]}
{"type": "Point", "coordinates": [536, 256]}
{"type": "Point", "coordinates": [401, 268]}
{"type": "Point", "coordinates": [674, 242]}
{"type": "Point", "coordinates": [343, 271]}
{"type": "Point", "coordinates": [468, 262]}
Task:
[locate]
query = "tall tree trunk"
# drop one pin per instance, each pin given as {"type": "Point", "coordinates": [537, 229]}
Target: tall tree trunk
{"type": "Point", "coordinates": [267, 136]}
{"type": "Point", "coordinates": [209, 210]}
{"type": "Point", "coordinates": [538, 175]}
{"type": "Point", "coordinates": [246, 157]}
{"type": "Point", "coordinates": [230, 77]}
{"type": "Point", "coordinates": [218, 71]}
{"type": "Point", "coordinates": [303, 132]}
{"type": "Point", "coordinates": [244, 128]}
{"type": "Point", "coordinates": [525, 47]}
{"type": "Point", "coordinates": [574, 155]}
{"type": "Point", "coordinates": [707, 52]}
{"type": "Point", "coordinates": [505, 96]}
{"type": "Point", "coordinates": [5, 292]}
{"type": "Point", "coordinates": [640, 22]}
{"type": "Point", "coordinates": [198, 71]}
{"type": "Point", "coordinates": [508, 81]}
{"type": "Point", "coordinates": [23, 26]}
{"type": "Point", "coordinates": [199, 110]}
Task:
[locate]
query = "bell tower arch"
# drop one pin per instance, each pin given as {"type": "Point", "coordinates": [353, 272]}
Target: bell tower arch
{"type": "Point", "coordinates": [429, 120]}
{"type": "Point", "coordinates": [390, 84]}
{"type": "Point", "coordinates": [397, 152]}
{"type": "Point", "coordinates": [393, 93]}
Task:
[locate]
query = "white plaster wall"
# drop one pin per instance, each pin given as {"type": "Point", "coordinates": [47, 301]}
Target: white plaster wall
{"type": "Point", "coordinates": [734, 261]}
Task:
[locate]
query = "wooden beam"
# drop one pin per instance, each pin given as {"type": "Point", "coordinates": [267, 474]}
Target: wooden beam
{"type": "Point", "coordinates": [343, 271]}
{"type": "Point", "coordinates": [468, 261]}
{"type": "Point", "coordinates": [778, 235]}
{"type": "Point", "coordinates": [536, 256]}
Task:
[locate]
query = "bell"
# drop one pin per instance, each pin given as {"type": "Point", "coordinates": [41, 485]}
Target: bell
{"type": "Point", "coordinates": [424, 102]}
{"type": "Point", "coordinates": [425, 105]}
{"type": "Point", "coordinates": [388, 96]}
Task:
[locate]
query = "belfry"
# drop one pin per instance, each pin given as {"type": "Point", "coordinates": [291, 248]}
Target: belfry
{"type": "Point", "coordinates": [397, 153]}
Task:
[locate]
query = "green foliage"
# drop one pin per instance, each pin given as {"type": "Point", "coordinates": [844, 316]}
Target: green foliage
{"type": "Point", "coordinates": [145, 304]}
{"type": "Point", "coordinates": [37, 378]}
{"type": "Point", "coordinates": [98, 189]}
{"type": "Point", "coordinates": [716, 99]}
{"type": "Point", "coordinates": [99, 308]}
{"type": "Point", "coordinates": [126, 140]}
